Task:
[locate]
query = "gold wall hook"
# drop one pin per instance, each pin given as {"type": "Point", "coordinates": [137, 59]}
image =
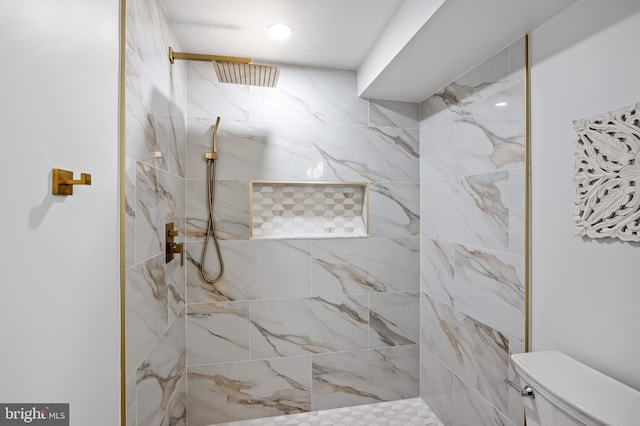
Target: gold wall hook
{"type": "Point", "coordinates": [62, 181]}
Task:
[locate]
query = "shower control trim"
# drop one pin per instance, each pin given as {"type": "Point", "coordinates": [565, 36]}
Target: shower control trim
{"type": "Point", "coordinates": [171, 246]}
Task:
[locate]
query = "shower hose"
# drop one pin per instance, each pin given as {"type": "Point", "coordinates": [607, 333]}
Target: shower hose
{"type": "Point", "coordinates": [211, 225]}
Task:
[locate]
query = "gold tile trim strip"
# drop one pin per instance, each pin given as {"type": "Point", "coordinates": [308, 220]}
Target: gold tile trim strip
{"type": "Point", "coordinates": [122, 200]}
{"type": "Point", "coordinates": [365, 185]}
{"type": "Point", "coordinates": [367, 201]}
{"type": "Point", "coordinates": [527, 199]}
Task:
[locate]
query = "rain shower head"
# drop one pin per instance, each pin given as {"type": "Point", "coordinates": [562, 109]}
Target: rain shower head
{"type": "Point", "coordinates": [234, 70]}
{"type": "Point", "coordinates": [251, 74]}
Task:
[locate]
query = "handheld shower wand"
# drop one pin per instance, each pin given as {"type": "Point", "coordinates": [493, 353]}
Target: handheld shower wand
{"type": "Point", "coordinates": [211, 234]}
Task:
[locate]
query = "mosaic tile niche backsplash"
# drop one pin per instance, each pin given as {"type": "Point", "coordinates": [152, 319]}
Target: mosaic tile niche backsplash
{"type": "Point", "coordinates": [472, 184]}
{"type": "Point", "coordinates": [308, 210]}
{"type": "Point", "coordinates": [298, 325]}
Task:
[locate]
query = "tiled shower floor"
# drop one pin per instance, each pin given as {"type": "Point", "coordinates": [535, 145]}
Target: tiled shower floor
{"type": "Point", "coordinates": [406, 412]}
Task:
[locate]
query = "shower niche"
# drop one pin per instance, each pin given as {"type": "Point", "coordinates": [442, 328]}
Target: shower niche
{"type": "Point", "coordinates": [290, 210]}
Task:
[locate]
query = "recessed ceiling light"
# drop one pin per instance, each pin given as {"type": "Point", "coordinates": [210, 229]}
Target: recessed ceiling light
{"type": "Point", "coordinates": [279, 31]}
{"type": "Point", "coordinates": [501, 104]}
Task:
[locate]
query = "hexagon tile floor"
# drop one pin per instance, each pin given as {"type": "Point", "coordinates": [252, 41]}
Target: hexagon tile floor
{"type": "Point", "coordinates": [406, 412]}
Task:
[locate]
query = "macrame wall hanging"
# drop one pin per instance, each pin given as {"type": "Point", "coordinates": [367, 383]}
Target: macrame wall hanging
{"type": "Point", "coordinates": [607, 175]}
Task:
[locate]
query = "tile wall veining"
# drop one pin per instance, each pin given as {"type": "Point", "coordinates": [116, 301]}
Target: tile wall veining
{"type": "Point", "coordinates": [301, 325]}
{"type": "Point", "coordinates": [472, 242]}
{"type": "Point", "coordinates": [155, 165]}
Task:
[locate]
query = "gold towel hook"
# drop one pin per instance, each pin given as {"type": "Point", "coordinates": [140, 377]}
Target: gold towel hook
{"type": "Point", "coordinates": [62, 181]}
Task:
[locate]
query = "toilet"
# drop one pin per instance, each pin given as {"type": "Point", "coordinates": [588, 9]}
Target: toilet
{"type": "Point", "coordinates": [569, 393]}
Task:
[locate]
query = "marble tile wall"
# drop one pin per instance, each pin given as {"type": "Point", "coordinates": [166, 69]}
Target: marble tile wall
{"type": "Point", "coordinates": [301, 325]}
{"type": "Point", "coordinates": [472, 193]}
{"type": "Point", "coordinates": [155, 292]}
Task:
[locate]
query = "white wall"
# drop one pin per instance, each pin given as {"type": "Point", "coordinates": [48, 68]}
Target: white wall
{"type": "Point", "coordinates": [59, 276]}
{"type": "Point", "coordinates": [585, 293]}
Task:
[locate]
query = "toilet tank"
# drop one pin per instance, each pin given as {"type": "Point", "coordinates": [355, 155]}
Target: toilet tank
{"type": "Point", "coordinates": [567, 393]}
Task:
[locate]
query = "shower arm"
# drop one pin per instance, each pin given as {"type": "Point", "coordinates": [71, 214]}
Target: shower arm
{"type": "Point", "coordinates": [173, 55]}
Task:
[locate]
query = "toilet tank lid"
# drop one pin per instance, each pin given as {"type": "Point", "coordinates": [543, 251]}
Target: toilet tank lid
{"type": "Point", "coordinates": [582, 388]}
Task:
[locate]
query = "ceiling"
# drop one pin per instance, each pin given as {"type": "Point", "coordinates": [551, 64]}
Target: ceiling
{"type": "Point", "coordinates": [402, 49]}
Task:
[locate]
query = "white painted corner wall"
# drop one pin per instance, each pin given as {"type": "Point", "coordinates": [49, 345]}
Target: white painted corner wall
{"type": "Point", "coordinates": [59, 279]}
{"type": "Point", "coordinates": [585, 293]}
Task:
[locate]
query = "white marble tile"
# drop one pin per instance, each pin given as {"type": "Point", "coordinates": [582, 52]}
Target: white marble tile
{"type": "Point", "coordinates": [472, 350]}
{"type": "Point", "coordinates": [489, 137]}
{"type": "Point", "coordinates": [516, 402]}
{"type": "Point", "coordinates": [394, 319]}
{"type": "Point", "coordinates": [146, 309]}
{"type": "Point", "coordinates": [250, 150]}
{"type": "Point", "coordinates": [311, 325]}
{"type": "Point", "coordinates": [486, 209]}
{"type": "Point", "coordinates": [131, 25]}
{"type": "Point", "coordinates": [217, 332]}
{"type": "Point", "coordinates": [253, 270]}
{"type": "Point", "coordinates": [149, 229]}
{"type": "Point", "coordinates": [178, 79]}
{"type": "Point", "coordinates": [517, 61]}
{"type": "Point", "coordinates": [207, 98]}
{"type": "Point", "coordinates": [365, 265]}
{"type": "Point", "coordinates": [141, 140]}
{"type": "Point", "coordinates": [132, 416]}
{"type": "Point", "coordinates": [439, 214]}
{"type": "Point", "coordinates": [437, 150]}
{"type": "Point", "coordinates": [170, 133]}
{"type": "Point", "coordinates": [376, 154]}
{"type": "Point", "coordinates": [435, 108]}
{"type": "Point", "coordinates": [177, 286]}
{"type": "Point", "coordinates": [471, 210]}
{"type": "Point", "coordinates": [362, 377]}
{"type": "Point", "coordinates": [151, 41]}
{"type": "Point", "coordinates": [130, 212]}
{"type": "Point", "coordinates": [159, 375]}
{"type": "Point", "coordinates": [473, 409]}
{"type": "Point", "coordinates": [436, 386]}
{"type": "Point", "coordinates": [176, 414]}
{"type": "Point", "coordinates": [490, 287]}
{"type": "Point", "coordinates": [310, 95]}
{"type": "Point", "coordinates": [159, 200]}
{"type": "Point", "coordinates": [250, 389]}
{"type": "Point", "coordinates": [156, 128]}
{"type": "Point", "coordinates": [437, 330]}
{"type": "Point", "coordinates": [517, 199]}
{"type": "Point", "coordinates": [172, 195]}
{"type": "Point", "coordinates": [394, 210]}
{"type": "Point", "coordinates": [231, 209]}
{"type": "Point", "coordinates": [437, 266]}
{"type": "Point", "coordinates": [487, 78]}
{"type": "Point", "coordinates": [385, 113]}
